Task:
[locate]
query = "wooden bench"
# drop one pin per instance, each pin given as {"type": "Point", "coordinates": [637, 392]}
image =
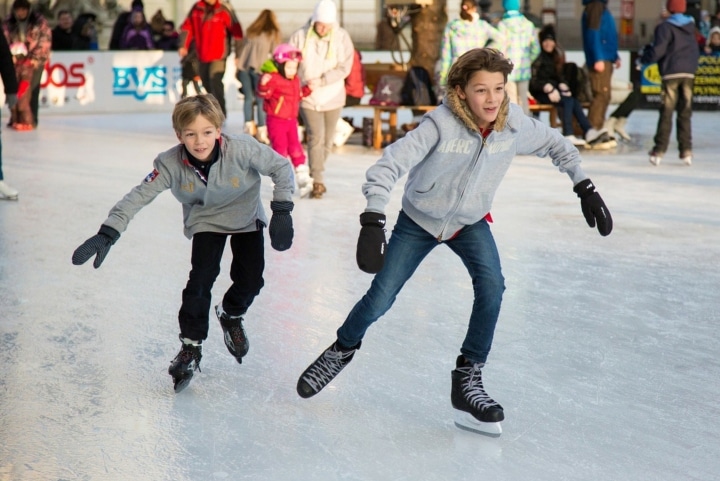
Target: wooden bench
{"type": "Point", "coordinates": [388, 114]}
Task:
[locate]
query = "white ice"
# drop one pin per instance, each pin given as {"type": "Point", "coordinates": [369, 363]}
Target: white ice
{"type": "Point", "coordinates": [605, 357]}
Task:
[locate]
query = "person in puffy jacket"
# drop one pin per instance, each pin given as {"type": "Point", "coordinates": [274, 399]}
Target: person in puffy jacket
{"type": "Point", "coordinates": [463, 34]}
{"type": "Point", "coordinates": [521, 47]}
{"type": "Point", "coordinates": [327, 51]}
{"type": "Point", "coordinates": [281, 92]}
{"type": "Point", "coordinates": [137, 34]}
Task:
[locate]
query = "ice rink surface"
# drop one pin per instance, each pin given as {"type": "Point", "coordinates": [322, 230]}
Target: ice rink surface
{"type": "Point", "coordinates": [605, 356]}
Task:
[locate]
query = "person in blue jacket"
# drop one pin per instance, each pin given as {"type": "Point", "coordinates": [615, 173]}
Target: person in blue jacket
{"type": "Point", "coordinates": [455, 160]}
{"type": "Point", "coordinates": [600, 43]}
{"type": "Point", "coordinates": [676, 52]}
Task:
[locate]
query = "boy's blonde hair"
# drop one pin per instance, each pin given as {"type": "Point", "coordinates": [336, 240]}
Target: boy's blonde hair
{"type": "Point", "coordinates": [488, 59]}
{"type": "Point", "coordinates": [188, 109]}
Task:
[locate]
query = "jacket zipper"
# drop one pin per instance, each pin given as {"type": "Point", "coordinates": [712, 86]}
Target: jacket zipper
{"type": "Point", "coordinates": [464, 185]}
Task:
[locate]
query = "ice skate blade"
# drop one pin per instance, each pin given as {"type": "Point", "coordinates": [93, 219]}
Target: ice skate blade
{"type": "Point", "coordinates": [12, 197]}
{"type": "Point", "coordinates": [467, 422]}
{"type": "Point", "coordinates": [181, 384]}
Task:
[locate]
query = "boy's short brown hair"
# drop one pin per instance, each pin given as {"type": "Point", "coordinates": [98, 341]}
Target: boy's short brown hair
{"type": "Point", "coordinates": [188, 109]}
{"type": "Point", "coordinates": [489, 59]}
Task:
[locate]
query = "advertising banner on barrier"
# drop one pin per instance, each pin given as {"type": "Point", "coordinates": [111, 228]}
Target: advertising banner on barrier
{"type": "Point", "coordinates": [706, 91]}
{"type": "Point", "coordinates": [119, 81]}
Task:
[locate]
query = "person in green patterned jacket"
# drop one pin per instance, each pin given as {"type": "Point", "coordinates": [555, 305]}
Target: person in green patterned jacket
{"type": "Point", "coordinates": [521, 46]}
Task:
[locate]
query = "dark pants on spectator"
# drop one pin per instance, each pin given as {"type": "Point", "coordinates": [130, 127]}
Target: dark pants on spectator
{"type": "Point", "coordinates": [35, 98]}
{"type": "Point", "coordinates": [627, 105]}
{"type": "Point", "coordinates": [211, 74]}
{"type": "Point", "coordinates": [600, 83]}
{"type": "Point", "coordinates": [246, 273]}
{"type": "Point", "coordinates": [676, 96]}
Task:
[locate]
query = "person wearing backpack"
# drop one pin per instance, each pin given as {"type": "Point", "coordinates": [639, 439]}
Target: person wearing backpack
{"type": "Point", "coordinates": [417, 88]}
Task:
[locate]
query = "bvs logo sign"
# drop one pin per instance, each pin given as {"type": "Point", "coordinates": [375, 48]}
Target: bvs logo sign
{"type": "Point", "coordinates": [140, 82]}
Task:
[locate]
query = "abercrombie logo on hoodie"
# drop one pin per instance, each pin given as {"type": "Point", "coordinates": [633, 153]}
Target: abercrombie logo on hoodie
{"type": "Point", "coordinates": [457, 146]}
{"type": "Point", "coordinates": [502, 146]}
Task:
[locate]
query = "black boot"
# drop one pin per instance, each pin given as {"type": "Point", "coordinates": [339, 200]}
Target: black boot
{"type": "Point", "coordinates": [184, 365]}
{"type": "Point", "coordinates": [324, 369]}
{"type": "Point", "coordinates": [236, 340]}
{"type": "Point", "coordinates": [468, 393]}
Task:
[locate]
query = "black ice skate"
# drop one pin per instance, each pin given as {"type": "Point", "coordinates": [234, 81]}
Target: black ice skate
{"type": "Point", "coordinates": [474, 409]}
{"type": "Point", "coordinates": [236, 340]}
{"type": "Point", "coordinates": [184, 365]}
{"type": "Point", "coordinates": [324, 369]}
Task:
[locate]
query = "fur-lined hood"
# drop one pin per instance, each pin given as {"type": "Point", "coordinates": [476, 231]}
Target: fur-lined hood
{"type": "Point", "coordinates": [461, 110]}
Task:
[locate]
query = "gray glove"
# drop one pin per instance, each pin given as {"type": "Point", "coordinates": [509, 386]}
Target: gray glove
{"type": "Point", "coordinates": [98, 244]}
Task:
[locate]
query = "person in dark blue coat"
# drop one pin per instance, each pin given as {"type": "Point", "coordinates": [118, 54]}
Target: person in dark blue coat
{"type": "Point", "coordinates": [676, 52]}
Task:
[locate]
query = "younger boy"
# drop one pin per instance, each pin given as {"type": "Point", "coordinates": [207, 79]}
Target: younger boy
{"type": "Point", "coordinates": [455, 160]}
{"type": "Point", "coordinates": [216, 178]}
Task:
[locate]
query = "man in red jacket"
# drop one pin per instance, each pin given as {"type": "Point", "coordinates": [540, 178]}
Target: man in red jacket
{"type": "Point", "coordinates": [208, 25]}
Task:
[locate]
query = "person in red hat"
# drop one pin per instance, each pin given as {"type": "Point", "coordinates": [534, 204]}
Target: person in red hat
{"type": "Point", "coordinates": [676, 52]}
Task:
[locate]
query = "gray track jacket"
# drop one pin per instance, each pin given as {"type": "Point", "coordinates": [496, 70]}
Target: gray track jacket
{"type": "Point", "coordinates": [452, 173]}
{"type": "Point", "coordinates": [229, 203]}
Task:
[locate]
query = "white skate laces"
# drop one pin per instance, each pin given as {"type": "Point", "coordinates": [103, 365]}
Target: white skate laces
{"type": "Point", "coordinates": [324, 370]}
{"type": "Point", "coordinates": [475, 410]}
{"type": "Point", "coordinates": [473, 390]}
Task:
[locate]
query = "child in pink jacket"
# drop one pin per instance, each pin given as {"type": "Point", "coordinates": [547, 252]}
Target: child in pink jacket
{"type": "Point", "coordinates": [281, 90]}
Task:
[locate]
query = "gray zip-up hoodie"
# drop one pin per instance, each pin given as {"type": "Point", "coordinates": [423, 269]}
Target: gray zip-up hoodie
{"type": "Point", "coordinates": [228, 203]}
{"type": "Point", "coordinates": [452, 173]}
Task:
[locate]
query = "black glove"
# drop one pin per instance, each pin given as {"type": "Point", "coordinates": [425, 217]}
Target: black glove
{"type": "Point", "coordinates": [593, 207]}
{"type": "Point", "coordinates": [98, 244]}
{"type": "Point", "coordinates": [371, 244]}
{"type": "Point", "coordinates": [281, 226]}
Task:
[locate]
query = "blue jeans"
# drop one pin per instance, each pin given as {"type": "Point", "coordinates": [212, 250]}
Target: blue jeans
{"type": "Point", "coordinates": [570, 107]}
{"type": "Point", "coordinates": [408, 246]}
{"type": "Point", "coordinates": [249, 80]}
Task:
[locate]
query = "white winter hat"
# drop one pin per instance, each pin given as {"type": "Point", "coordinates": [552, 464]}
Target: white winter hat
{"type": "Point", "coordinates": [325, 12]}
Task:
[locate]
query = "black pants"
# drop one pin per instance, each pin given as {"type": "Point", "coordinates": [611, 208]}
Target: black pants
{"type": "Point", "coordinates": [627, 105]}
{"type": "Point", "coordinates": [246, 273]}
{"type": "Point", "coordinates": [211, 74]}
{"type": "Point", "coordinates": [676, 97]}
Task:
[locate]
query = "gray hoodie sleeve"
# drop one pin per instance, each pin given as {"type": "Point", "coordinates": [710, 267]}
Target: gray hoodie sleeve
{"type": "Point", "coordinates": [141, 195]}
{"type": "Point", "coordinates": [539, 139]}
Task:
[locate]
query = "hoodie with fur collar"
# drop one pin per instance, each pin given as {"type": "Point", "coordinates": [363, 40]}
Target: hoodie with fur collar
{"type": "Point", "coordinates": [453, 173]}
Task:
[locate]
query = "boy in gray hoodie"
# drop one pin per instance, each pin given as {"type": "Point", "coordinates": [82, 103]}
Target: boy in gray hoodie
{"type": "Point", "coordinates": [455, 160]}
{"type": "Point", "coordinates": [216, 178]}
